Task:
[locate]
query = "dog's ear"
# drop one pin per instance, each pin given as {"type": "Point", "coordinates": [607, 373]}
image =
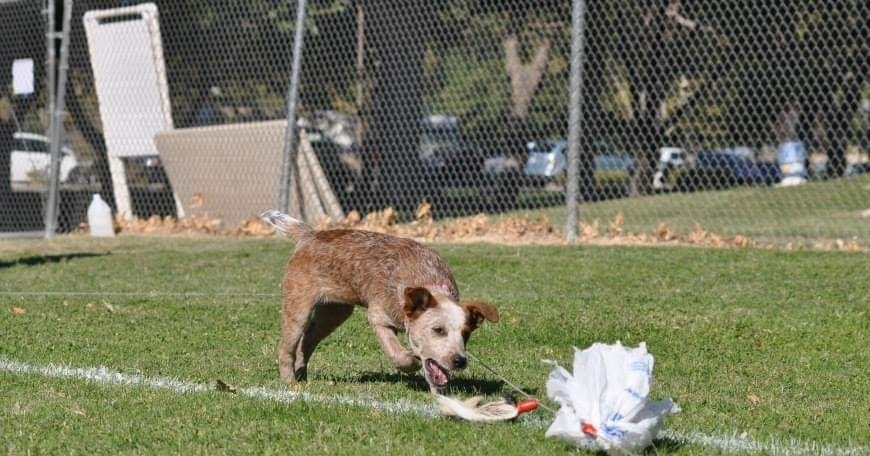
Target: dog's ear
{"type": "Point", "coordinates": [479, 311]}
{"type": "Point", "coordinates": [417, 300]}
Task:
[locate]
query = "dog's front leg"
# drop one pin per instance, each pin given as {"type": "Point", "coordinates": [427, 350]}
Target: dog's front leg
{"type": "Point", "coordinates": [400, 357]}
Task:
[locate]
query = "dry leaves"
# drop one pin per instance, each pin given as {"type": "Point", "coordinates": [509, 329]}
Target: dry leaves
{"type": "Point", "coordinates": [511, 230]}
{"type": "Point", "coordinates": [615, 227]}
{"type": "Point", "coordinates": [18, 310]}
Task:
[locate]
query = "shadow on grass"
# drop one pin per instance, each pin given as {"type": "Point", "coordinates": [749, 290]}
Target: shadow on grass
{"type": "Point", "coordinates": [37, 260]}
{"type": "Point", "coordinates": [659, 446]}
{"type": "Point", "coordinates": [663, 446]}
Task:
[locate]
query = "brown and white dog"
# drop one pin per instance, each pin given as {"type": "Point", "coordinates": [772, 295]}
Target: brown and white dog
{"type": "Point", "coordinates": [405, 287]}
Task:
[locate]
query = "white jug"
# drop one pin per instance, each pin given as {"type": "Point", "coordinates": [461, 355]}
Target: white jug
{"type": "Point", "coordinates": [100, 218]}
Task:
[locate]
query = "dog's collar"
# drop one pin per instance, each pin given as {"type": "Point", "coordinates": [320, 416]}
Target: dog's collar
{"type": "Point", "coordinates": [441, 288]}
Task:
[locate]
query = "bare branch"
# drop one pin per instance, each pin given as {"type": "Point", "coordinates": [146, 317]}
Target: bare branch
{"type": "Point", "coordinates": [673, 12]}
{"type": "Point", "coordinates": [524, 78]}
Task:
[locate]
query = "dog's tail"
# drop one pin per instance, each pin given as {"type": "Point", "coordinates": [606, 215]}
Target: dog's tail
{"type": "Point", "coordinates": [294, 229]}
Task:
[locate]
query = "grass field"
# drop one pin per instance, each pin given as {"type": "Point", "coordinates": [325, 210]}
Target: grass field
{"type": "Point", "coordinates": [764, 350]}
{"type": "Point", "coordinates": [833, 209]}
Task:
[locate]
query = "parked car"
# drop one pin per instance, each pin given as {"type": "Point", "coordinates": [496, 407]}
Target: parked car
{"type": "Point", "coordinates": [449, 161]}
{"type": "Point", "coordinates": [333, 138]}
{"type": "Point", "coordinates": [150, 190]}
{"type": "Point", "coordinates": [612, 175]}
{"type": "Point", "coordinates": [451, 167]}
{"type": "Point", "coordinates": [721, 169]}
{"type": "Point", "coordinates": [147, 171]}
{"type": "Point", "coordinates": [30, 161]}
{"type": "Point", "coordinates": [672, 161]}
{"type": "Point", "coordinates": [858, 168]}
{"type": "Point", "coordinates": [547, 162]}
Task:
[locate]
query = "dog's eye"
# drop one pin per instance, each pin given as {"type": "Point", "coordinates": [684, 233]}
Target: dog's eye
{"type": "Point", "coordinates": [438, 330]}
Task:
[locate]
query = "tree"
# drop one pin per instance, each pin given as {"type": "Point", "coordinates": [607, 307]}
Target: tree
{"type": "Point", "coordinates": [397, 36]}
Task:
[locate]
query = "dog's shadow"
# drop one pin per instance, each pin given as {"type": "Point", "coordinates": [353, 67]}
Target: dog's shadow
{"type": "Point", "coordinates": [458, 385]}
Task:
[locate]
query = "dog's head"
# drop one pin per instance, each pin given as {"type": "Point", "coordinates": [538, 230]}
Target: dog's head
{"type": "Point", "coordinates": [438, 329]}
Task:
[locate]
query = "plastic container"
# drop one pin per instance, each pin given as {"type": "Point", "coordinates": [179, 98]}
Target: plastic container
{"type": "Point", "coordinates": [100, 218]}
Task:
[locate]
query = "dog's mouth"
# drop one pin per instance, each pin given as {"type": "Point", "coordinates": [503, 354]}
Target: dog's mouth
{"type": "Point", "coordinates": [436, 374]}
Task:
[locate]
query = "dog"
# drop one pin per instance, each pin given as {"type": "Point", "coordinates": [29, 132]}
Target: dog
{"type": "Point", "coordinates": [404, 286]}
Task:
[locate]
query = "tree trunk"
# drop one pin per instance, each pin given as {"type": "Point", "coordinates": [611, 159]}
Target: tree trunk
{"type": "Point", "coordinates": [393, 136]}
{"type": "Point", "coordinates": [648, 84]}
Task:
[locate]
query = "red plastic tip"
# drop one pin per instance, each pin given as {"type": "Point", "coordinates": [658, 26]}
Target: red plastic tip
{"type": "Point", "coordinates": [527, 405]}
{"type": "Point", "coordinates": [589, 430]}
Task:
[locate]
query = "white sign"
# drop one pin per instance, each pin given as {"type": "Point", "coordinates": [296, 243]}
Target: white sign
{"type": "Point", "coordinates": [22, 76]}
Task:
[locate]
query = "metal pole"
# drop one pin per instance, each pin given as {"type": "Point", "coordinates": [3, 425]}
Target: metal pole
{"type": "Point", "coordinates": [57, 112]}
{"type": "Point", "coordinates": [49, 211]}
{"type": "Point", "coordinates": [572, 187]}
{"type": "Point", "coordinates": [290, 132]}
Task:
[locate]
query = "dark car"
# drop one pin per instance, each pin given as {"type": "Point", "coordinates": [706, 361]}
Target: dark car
{"type": "Point", "coordinates": [723, 169]}
{"type": "Point", "coordinates": [858, 168]}
{"type": "Point", "coordinates": [449, 162]}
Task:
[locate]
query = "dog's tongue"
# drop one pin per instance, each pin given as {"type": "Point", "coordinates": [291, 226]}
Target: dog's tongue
{"type": "Point", "coordinates": [438, 375]}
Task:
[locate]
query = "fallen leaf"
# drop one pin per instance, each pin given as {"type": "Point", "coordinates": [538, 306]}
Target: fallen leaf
{"type": "Point", "coordinates": [197, 200]}
{"type": "Point", "coordinates": [753, 399]}
{"type": "Point", "coordinates": [19, 310]}
{"type": "Point", "coordinates": [224, 387]}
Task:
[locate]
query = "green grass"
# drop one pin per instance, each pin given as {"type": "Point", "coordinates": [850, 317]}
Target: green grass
{"type": "Point", "coordinates": [811, 212]}
{"type": "Point", "coordinates": [766, 342]}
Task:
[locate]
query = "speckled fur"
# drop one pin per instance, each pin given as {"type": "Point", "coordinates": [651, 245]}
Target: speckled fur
{"type": "Point", "coordinates": [403, 285]}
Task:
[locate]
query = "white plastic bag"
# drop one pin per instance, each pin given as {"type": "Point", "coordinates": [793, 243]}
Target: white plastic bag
{"type": "Point", "coordinates": [604, 404]}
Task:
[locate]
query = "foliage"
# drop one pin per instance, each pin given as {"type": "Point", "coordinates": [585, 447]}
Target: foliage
{"type": "Point", "coordinates": [694, 74]}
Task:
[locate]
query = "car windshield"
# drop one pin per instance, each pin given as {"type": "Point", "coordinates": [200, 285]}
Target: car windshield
{"type": "Point", "coordinates": [440, 141]}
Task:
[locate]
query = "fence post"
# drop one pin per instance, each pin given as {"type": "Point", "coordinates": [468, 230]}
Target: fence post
{"type": "Point", "coordinates": [572, 186]}
{"type": "Point", "coordinates": [57, 92]}
{"type": "Point", "coordinates": [290, 133]}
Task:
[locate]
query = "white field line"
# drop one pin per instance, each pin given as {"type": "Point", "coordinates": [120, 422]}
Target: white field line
{"type": "Point", "coordinates": [727, 443]}
{"type": "Point", "coordinates": [103, 375]}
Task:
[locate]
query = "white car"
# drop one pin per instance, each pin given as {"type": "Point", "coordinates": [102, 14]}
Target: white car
{"type": "Point", "coordinates": [29, 168]}
{"type": "Point", "coordinates": [670, 158]}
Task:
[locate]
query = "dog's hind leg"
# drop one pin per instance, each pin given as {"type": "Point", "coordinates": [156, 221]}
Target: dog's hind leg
{"type": "Point", "coordinates": [299, 302]}
{"type": "Point", "coordinates": [324, 320]}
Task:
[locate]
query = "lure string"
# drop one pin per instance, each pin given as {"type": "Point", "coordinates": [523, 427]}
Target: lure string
{"type": "Point", "coordinates": [507, 382]}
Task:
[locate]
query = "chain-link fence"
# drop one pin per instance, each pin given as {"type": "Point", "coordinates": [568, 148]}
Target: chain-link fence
{"type": "Point", "coordinates": [179, 109]}
{"type": "Point", "coordinates": [23, 117]}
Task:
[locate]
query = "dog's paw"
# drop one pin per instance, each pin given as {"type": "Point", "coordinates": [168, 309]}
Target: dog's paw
{"type": "Point", "coordinates": [301, 374]}
{"type": "Point", "coordinates": [408, 363]}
